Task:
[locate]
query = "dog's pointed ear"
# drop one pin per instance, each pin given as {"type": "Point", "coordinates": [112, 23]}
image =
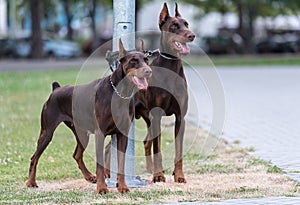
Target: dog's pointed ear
{"type": "Point", "coordinates": [177, 14]}
{"type": "Point", "coordinates": [143, 46]}
{"type": "Point", "coordinates": [164, 15]}
{"type": "Point", "coordinates": [122, 51]}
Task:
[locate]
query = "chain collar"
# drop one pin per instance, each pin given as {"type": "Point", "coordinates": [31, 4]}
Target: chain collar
{"type": "Point", "coordinates": [167, 57]}
{"type": "Point", "coordinates": [150, 53]}
{"type": "Point", "coordinates": [117, 92]}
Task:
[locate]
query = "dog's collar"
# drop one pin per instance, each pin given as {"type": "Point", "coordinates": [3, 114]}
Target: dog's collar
{"type": "Point", "coordinates": [168, 57]}
{"type": "Point", "coordinates": [117, 92]}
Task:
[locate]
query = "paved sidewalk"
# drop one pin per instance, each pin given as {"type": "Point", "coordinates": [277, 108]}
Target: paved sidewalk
{"type": "Point", "coordinates": [261, 201]}
{"type": "Point", "coordinates": [263, 112]}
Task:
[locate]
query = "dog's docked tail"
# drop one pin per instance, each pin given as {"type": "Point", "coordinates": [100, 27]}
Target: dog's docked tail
{"type": "Point", "coordinates": [55, 85]}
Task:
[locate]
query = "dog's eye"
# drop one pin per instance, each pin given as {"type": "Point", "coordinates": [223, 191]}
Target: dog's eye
{"type": "Point", "coordinates": [133, 61]}
{"type": "Point", "coordinates": [186, 24]}
{"type": "Point", "coordinates": [175, 26]}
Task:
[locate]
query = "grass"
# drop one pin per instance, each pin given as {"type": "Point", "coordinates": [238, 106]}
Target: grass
{"type": "Point", "coordinates": [22, 95]}
{"type": "Point", "coordinates": [245, 60]}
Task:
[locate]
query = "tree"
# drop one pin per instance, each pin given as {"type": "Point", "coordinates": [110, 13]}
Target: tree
{"type": "Point", "coordinates": [247, 12]}
{"type": "Point", "coordinates": [36, 32]}
{"type": "Point", "coordinates": [69, 16]}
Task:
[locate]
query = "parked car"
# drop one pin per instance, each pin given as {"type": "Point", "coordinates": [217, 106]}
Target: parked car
{"type": "Point", "coordinates": [278, 44]}
{"type": "Point", "coordinates": [60, 49]}
{"type": "Point", "coordinates": [7, 48]}
{"type": "Point", "coordinates": [223, 44]}
{"type": "Point", "coordinates": [21, 48]}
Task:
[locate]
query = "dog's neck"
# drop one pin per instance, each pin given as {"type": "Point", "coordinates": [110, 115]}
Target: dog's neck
{"type": "Point", "coordinates": [165, 47]}
{"type": "Point", "coordinates": [121, 83]}
{"type": "Point", "coordinates": [168, 60]}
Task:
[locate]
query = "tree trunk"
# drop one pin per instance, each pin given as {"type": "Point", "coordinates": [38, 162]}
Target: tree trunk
{"type": "Point", "coordinates": [92, 15]}
{"type": "Point", "coordinates": [36, 31]}
{"type": "Point", "coordinates": [245, 30]}
{"type": "Point", "coordinates": [69, 19]}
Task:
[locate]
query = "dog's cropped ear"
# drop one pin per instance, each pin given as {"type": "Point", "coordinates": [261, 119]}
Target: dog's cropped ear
{"type": "Point", "coordinates": [164, 15]}
{"type": "Point", "coordinates": [177, 14]}
{"type": "Point", "coordinates": [122, 51]}
{"type": "Point", "coordinates": [142, 46]}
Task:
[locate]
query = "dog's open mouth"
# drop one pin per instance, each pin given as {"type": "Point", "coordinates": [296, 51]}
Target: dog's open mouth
{"type": "Point", "coordinates": [183, 48]}
{"type": "Point", "coordinates": [141, 83]}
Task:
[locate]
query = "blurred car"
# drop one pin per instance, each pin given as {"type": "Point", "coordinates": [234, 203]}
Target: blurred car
{"type": "Point", "coordinates": [223, 44]}
{"type": "Point", "coordinates": [21, 48]}
{"type": "Point", "coordinates": [278, 44]}
{"type": "Point", "coordinates": [7, 48]}
{"type": "Point", "coordinates": [60, 49]}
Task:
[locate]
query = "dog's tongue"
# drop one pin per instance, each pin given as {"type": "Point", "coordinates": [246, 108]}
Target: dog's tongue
{"type": "Point", "coordinates": [183, 48]}
{"type": "Point", "coordinates": [141, 83]}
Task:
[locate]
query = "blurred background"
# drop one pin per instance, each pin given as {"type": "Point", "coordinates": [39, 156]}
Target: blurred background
{"type": "Point", "coordinates": [70, 29]}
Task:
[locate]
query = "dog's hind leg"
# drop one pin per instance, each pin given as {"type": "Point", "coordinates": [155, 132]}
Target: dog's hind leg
{"type": "Point", "coordinates": [48, 126]}
{"type": "Point", "coordinates": [82, 139]}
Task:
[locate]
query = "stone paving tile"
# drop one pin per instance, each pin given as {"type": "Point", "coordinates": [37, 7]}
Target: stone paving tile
{"type": "Point", "coordinates": [262, 111]}
{"type": "Point", "coordinates": [260, 201]}
{"type": "Point", "coordinates": [255, 201]}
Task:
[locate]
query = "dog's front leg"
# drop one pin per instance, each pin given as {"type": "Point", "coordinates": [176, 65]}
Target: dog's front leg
{"type": "Point", "coordinates": [155, 135]}
{"type": "Point", "coordinates": [179, 132]}
{"type": "Point", "coordinates": [121, 145]}
{"type": "Point", "coordinates": [99, 143]}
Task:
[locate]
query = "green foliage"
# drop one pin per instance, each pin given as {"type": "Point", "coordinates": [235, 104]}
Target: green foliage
{"type": "Point", "coordinates": [261, 7]}
{"type": "Point", "coordinates": [270, 167]}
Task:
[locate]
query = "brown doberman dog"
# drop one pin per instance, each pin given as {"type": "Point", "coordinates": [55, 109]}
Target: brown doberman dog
{"type": "Point", "coordinates": [168, 94]}
{"type": "Point", "coordinates": [103, 107]}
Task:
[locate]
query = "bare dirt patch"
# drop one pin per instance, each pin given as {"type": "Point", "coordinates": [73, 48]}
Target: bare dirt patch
{"type": "Point", "coordinates": [230, 173]}
{"type": "Point", "coordinates": [214, 171]}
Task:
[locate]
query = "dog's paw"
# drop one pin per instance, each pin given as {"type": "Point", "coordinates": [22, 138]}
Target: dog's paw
{"type": "Point", "coordinates": [179, 178]}
{"type": "Point", "coordinates": [31, 184]}
{"type": "Point", "coordinates": [122, 188]}
{"type": "Point", "coordinates": [102, 190]}
{"type": "Point", "coordinates": [107, 173]}
{"type": "Point", "coordinates": [91, 179]}
{"type": "Point", "coordinates": [159, 177]}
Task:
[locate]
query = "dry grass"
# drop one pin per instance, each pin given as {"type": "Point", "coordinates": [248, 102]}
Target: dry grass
{"type": "Point", "coordinates": [226, 173]}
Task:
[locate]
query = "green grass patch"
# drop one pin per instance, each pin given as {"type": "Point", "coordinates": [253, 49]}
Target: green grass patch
{"type": "Point", "coordinates": [270, 167]}
{"type": "Point", "coordinates": [22, 95]}
{"type": "Point", "coordinates": [244, 60]}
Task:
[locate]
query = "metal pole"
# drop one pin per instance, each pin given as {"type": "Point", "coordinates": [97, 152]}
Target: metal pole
{"type": "Point", "coordinates": [3, 17]}
{"type": "Point", "coordinates": [12, 18]}
{"type": "Point", "coordinates": [124, 27]}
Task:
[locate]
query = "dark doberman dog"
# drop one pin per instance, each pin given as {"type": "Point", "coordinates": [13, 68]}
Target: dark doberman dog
{"type": "Point", "coordinates": [103, 107]}
{"type": "Point", "coordinates": [166, 95]}
{"type": "Point", "coordinates": [171, 98]}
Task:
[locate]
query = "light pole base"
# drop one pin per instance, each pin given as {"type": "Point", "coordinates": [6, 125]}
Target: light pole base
{"type": "Point", "coordinates": [132, 183]}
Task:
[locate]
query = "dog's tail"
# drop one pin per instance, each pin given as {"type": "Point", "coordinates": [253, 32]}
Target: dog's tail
{"type": "Point", "coordinates": [55, 85]}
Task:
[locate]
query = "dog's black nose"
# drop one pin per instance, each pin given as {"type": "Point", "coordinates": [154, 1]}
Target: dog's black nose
{"type": "Point", "coordinates": [191, 36]}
